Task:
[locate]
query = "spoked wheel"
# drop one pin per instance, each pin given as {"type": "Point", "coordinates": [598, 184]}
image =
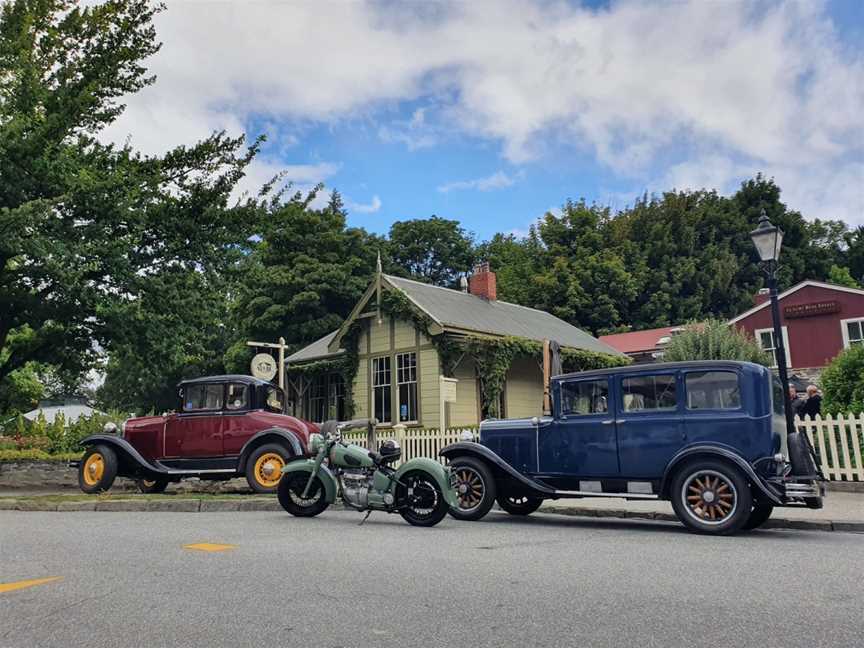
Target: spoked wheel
{"type": "Point", "coordinates": [711, 497]}
{"type": "Point", "coordinates": [475, 488]}
{"type": "Point", "coordinates": [290, 493]}
{"type": "Point", "coordinates": [762, 509]}
{"type": "Point", "coordinates": [519, 504]}
{"type": "Point", "coordinates": [422, 498]}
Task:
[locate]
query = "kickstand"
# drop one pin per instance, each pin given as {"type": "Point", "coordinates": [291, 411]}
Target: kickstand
{"type": "Point", "coordinates": [368, 513]}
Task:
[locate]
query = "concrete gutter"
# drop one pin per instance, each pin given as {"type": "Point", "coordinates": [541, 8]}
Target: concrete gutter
{"type": "Point", "coordinates": [270, 504]}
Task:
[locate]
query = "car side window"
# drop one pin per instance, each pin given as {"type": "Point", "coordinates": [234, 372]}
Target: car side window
{"type": "Point", "coordinates": [235, 397]}
{"type": "Point", "coordinates": [713, 390]}
{"type": "Point", "coordinates": [202, 397]}
{"type": "Point", "coordinates": [583, 397]}
{"type": "Point", "coordinates": [275, 401]}
{"type": "Point", "coordinates": [649, 393]}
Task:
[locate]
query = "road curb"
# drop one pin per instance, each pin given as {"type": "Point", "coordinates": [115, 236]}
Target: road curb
{"type": "Point", "coordinates": [773, 523]}
{"type": "Point", "coordinates": [189, 505]}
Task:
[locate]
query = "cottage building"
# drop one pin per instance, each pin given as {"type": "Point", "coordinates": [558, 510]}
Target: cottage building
{"type": "Point", "coordinates": [408, 340]}
{"type": "Point", "coordinates": [818, 321]}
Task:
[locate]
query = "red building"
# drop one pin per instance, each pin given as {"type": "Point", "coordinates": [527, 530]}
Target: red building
{"type": "Point", "coordinates": [642, 346]}
{"type": "Point", "coordinates": [818, 321]}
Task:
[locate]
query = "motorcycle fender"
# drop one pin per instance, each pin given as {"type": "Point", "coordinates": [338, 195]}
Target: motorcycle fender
{"type": "Point", "coordinates": [324, 474]}
{"type": "Point", "coordinates": [440, 473]}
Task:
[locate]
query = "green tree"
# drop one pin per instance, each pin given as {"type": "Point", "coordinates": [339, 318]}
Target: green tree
{"type": "Point", "coordinates": [842, 277]}
{"type": "Point", "coordinates": [516, 262]}
{"type": "Point", "coordinates": [303, 277]}
{"type": "Point", "coordinates": [714, 340]}
{"type": "Point", "coordinates": [434, 250]}
{"type": "Point", "coordinates": [86, 225]}
{"type": "Point", "coordinates": [20, 391]}
{"type": "Point", "coordinates": [843, 382]}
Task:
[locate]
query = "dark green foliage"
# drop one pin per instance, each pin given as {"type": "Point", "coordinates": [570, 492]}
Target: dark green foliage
{"type": "Point", "coordinates": [714, 340]}
{"type": "Point", "coordinates": [843, 382]}
{"type": "Point", "coordinates": [434, 250]}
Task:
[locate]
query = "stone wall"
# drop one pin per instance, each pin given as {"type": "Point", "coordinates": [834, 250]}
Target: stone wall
{"type": "Point", "coordinates": [58, 476]}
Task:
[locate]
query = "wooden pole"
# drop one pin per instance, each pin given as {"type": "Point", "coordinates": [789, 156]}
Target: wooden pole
{"type": "Point", "coordinates": [282, 363]}
{"type": "Point", "coordinates": [547, 370]}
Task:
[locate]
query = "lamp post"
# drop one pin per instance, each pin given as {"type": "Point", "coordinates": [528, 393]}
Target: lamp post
{"type": "Point", "coordinates": [768, 238]}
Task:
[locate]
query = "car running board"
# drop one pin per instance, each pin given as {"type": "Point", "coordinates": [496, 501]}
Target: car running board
{"type": "Point", "coordinates": [645, 496]}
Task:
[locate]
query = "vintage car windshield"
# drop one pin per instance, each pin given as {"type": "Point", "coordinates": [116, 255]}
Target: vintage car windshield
{"type": "Point", "coordinates": [275, 401]}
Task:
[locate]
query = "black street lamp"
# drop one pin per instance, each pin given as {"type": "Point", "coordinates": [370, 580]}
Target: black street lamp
{"type": "Point", "coordinates": [768, 238]}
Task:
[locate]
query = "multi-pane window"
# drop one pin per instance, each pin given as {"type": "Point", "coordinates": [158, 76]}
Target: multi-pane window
{"type": "Point", "coordinates": [713, 390]}
{"type": "Point", "coordinates": [381, 385]}
{"type": "Point", "coordinates": [853, 332]}
{"type": "Point", "coordinates": [202, 397]}
{"type": "Point", "coordinates": [318, 399]}
{"type": "Point", "coordinates": [649, 393]}
{"type": "Point", "coordinates": [585, 397]}
{"type": "Point", "coordinates": [406, 382]}
{"type": "Point", "coordinates": [336, 397]}
{"type": "Point", "coordinates": [765, 337]}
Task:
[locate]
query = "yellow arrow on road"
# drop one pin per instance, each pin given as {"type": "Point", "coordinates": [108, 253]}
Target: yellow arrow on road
{"type": "Point", "coordinates": [11, 587]}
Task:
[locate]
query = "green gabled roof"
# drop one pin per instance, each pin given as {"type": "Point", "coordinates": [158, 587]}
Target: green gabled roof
{"type": "Point", "coordinates": [461, 312]}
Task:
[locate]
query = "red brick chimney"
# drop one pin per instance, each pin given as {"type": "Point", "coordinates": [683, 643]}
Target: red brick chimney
{"type": "Point", "coordinates": [483, 282]}
{"type": "Point", "coordinates": [760, 297]}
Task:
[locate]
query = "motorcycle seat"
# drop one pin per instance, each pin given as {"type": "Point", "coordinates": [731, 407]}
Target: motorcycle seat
{"type": "Point", "coordinates": [378, 458]}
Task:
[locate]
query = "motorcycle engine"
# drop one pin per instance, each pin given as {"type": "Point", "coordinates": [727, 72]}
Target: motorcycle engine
{"type": "Point", "coordinates": [355, 487]}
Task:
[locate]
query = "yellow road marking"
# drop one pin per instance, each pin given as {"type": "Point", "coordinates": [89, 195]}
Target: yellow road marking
{"type": "Point", "coordinates": [11, 587]}
{"type": "Point", "coordinates": [207, 546]}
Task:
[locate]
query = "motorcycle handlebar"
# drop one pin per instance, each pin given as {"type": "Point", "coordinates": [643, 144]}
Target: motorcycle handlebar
{"type": "Point", "coordinates": [356, 424]}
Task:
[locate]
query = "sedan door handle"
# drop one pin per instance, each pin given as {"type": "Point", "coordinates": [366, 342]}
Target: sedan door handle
{"type": "Point", "coordinates": [609, 422]}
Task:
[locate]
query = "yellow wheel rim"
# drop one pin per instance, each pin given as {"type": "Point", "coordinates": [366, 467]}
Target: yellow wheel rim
{"type": "Point", "coordinates": [149, 483]}
{"type": "Point", "coordinates": [94, 468]}
{"type": "Point", "coordinates": [268, 469]}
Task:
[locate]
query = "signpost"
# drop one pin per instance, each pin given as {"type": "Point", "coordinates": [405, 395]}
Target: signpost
{"type": "Point", "coordinates": [281, 346]}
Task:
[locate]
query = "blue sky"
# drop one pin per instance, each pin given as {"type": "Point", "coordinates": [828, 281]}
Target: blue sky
{"type": "Point", "coordinates": [492, 113]}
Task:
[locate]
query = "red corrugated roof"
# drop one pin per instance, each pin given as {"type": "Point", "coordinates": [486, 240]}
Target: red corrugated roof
{"type": "Point", "coordinates": [636, 341]}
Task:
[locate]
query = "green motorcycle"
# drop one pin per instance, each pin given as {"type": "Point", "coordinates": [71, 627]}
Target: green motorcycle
{"type": "Point", "coordinates": [420, 490]}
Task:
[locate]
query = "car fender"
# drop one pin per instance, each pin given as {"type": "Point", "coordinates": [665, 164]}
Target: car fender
{"type": "Point", "coordinates": [279, 435]}
{"type": "Point", "coordinates": [126, 452]}
{"type": "Point", "coordinates": [723, 453]}
{"type": "Point", "coordinates": [324, 474]}
{"type": "Point", "coordinates": [479, 451]}
{"type": "Point", "coordinates": [438, 472]}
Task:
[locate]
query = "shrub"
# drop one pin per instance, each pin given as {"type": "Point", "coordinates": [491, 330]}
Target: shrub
{"type": "Point", "coordinates": [843, 382]}
{"type": "Point", "coordinates": [56, 437]}
{"type": "Point", "coordinates": [714, 340]}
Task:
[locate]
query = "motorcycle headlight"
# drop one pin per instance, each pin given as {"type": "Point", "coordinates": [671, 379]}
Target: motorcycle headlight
{"type": "Point", "coordinates": [316, 442]}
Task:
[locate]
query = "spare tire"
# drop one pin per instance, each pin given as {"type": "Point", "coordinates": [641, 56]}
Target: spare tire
{"type": "Point", "coordinates": [800, 454]}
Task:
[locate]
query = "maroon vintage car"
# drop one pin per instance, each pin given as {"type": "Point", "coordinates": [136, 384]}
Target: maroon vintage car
{"type": "Point", "coordinates": [225, 426]}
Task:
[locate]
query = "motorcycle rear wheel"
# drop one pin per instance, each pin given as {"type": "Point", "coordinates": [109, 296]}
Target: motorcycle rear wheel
{"type": "Point", "coordinates": [423, 499]}
{"type": "Point", "coordinates": [290, 491]}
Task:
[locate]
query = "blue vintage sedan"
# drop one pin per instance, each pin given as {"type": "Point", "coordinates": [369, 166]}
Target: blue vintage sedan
{"type": "Point", "coordinates": [710, 436]}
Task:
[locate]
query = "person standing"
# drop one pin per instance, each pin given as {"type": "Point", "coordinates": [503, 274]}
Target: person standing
{"type": "Point", "coordinates": [813, 405]}
{"type": "Point", "coordinates": [796, 402]}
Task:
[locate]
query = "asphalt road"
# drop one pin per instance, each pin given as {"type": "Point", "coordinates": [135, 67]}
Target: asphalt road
{"type": "Point", "coordinates": [127, 580]}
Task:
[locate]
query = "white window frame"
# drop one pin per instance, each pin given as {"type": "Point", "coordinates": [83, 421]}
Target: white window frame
{"type": "Point", "coordinates": [785, 332]}
{"type": "Point", "coordinates": [416, 382]}
{"type": "Point", "coordinates": [844, 329]}
{"type": "Point", "coordinates": [389, 385]}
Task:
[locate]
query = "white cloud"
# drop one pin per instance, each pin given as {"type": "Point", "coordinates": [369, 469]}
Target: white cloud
{"type": "Point", "coordinates": [768, 87]}
{"type": "Point", "coordinates": [498, 180]}
{"type": "Point", "coordinates": [361, 208]}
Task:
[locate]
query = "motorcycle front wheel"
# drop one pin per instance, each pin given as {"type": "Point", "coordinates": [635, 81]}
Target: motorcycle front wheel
{"type": "Point", "coordinates": [290, 493]}
{"type": "Point", "coordinates": [422, 498]}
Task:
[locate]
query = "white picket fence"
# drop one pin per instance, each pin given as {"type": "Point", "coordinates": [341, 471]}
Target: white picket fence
{"type": "Point", "coordinates": [839, 442]}
{"type": "Point", "coordinates": [416, 442]}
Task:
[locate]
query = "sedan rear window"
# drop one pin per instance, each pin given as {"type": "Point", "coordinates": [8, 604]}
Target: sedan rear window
{"type": "Point", "coordinates": [713, 390]}
{"type": "Point", "coordinates": [649, 393]}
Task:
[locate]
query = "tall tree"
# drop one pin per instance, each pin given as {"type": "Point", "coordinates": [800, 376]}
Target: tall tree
{"type": "Point", "coordinates": [84, 226]}
{"type": "Point", "coordinates": [303, 277]}
{"type": "Point", "coordinates": [434, 250]}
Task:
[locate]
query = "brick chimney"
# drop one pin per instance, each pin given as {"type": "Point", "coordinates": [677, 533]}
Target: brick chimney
{"type": "Point", "coordinates": [761, 297]}
{"type": "Point", "coordinates": [483, 282]}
